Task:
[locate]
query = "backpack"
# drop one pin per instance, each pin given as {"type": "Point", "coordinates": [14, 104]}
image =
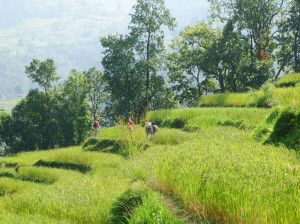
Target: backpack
{"type": "Point", "coordinates": [96, 124]}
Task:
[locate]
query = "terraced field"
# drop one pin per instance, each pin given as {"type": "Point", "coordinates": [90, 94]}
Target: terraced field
{"type": "Point", "coordinates": [215, 174]}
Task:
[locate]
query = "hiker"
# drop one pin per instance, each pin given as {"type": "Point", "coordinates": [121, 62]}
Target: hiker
{"type": "Point", "coordinates": [130, 126]}
{"type": "Point", "coordinates": [148, 129]}
{"type": "Point", "coordinates": [154, 127]}
{"type": "Point", "coordinates": [96, 126]}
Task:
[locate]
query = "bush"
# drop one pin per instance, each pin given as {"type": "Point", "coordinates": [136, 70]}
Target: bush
{"type": "Point", "coordinates": [178, 123]}
{"type": "Point", "coordinates": [173, 123]}
{"type": "Point", "coordinates": [158, 121]}
{"type": "Point", "coordinates": [166, 123]}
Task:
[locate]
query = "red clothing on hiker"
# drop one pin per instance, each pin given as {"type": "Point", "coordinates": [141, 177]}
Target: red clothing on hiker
{"type": "Point", "coordinates": [96, 124]}
{"type": "Point", "coordinates": [131, 123]}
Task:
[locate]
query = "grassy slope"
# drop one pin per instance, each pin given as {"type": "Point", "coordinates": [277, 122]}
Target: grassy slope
{"type": "Point", "coordinates": [218, 172]}
{"type": "Point", "coordinates": [286, 96]}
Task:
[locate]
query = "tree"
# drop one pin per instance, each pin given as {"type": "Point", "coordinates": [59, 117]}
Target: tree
{"type": "Point", "coordinates": [42, 72]}
{"type": "Point", "coordinates": [186, 64]}
{"type": "Point", "coordinates": [75, 91]}
{"type": "Point", "coordinates": [148, 37]}
{"type": "Point", "coordinates": [122, 74]}
{"type": "Point", "coordinates": [7, 137]}
{"type": "Point", "coordinates": [288, 39]}
{"type": "Point", "coordinates": [96, 94]}
{"type": "Point", "coordinates": [256, 22]}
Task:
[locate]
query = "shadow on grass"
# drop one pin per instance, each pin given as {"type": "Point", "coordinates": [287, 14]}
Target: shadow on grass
{"type": "Point", "coordinates": [16, 176]}
{"type": "Point", "coordinates": [80, 167]}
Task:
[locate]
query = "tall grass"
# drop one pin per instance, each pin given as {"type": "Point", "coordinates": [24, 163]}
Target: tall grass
{"type": "Point", "coordinates": [282, 96]}
{"type": "Point", "coordinates": [218, 172]}
{"type": "Point", "coordinates": [288, 80]}
{"type": "Point", "coordinates": [227, 99]}
{"type": "Point", "coordinates": [288, 96]}
{"type": "Point", "coordinates": [74, 197]}
{"type": "Point", "coordinates": [210, 116]}
{"type": "Point", "coordinates": [228, 177]}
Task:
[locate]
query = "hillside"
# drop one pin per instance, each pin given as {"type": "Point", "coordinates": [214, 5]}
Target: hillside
{"type": "Point", "coordinates": [212, 173]}
{"type": "Point", "coordinates": [283, 92]}
{"type": "Point", "coordinates": [67, 31]}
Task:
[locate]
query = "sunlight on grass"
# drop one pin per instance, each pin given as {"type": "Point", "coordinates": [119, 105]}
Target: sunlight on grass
{"type": "Point", "coordinates": [229, 177]}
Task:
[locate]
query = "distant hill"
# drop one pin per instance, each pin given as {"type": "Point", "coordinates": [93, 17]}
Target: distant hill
{"type": "Point", "coordinates": [68, 31]}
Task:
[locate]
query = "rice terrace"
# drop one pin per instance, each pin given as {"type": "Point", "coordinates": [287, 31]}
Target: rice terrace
{"type": "Point", "coordinates": [203, 130]}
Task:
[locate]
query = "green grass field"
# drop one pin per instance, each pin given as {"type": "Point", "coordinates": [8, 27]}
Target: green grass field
{"type": "Point", "coordinates": [216, 174]}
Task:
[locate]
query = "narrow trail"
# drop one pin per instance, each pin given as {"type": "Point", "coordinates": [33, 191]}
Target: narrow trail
{"type": "Point", "coordinates": [176, 206]}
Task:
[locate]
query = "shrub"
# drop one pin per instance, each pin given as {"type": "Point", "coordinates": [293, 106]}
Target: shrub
{"type": "Point", "coordinates": [178, 123]}
{"type": "Point", "coordinates": [173, 123]}
{"type": "Point", "coordinates": [157, 120]}
{"type": "Point", "coordinates": [166, 123]}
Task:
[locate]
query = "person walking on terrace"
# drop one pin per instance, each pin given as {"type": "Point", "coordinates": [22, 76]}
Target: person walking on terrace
{"type": "Point", "coordinates": [96, 126]}
{"type": "Point", "coordinates": [130, 126]}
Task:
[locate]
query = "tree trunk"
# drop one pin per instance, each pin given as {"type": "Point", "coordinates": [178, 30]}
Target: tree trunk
{"type": "Point", "coordinates": [278, 73]}
{"type": "Point", "coordinates": [221, 82]}
{"type": "Point", "coordinates": [297, 66]}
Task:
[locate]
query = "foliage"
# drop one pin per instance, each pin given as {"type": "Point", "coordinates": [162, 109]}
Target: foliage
{"type": "Point", "coordinates": [288, 38]}
{"type": "Point", "coordinates": [42, 73]}
{"type": "Point", "coordinates": [185, 62]}
{"type": "Point", "coordinates": [125, 84]}
{"type": "Point", "coordinates": [132, 62]}
{"type": "Point", "coordinates": [173, 123]}
{"type": "Point", "coordinates": [148, 37]}
{"type": "Point", "coordinates": [96, 94]}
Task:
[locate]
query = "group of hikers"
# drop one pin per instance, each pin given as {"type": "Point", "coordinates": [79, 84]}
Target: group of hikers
{"type": "Point", "coordinates": [150, 127]}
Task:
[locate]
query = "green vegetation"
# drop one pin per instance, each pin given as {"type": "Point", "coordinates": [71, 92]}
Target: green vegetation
{"type": "Point", "coordinates": [218, 172]}
{"type": "Point", "coordinates": [267, 96]}
{"type": "Point", "coordinates": [288, 80]}
{"type": "Point", "coordinates": [238, 163]}
{"type": "Point", "coordinates": [282, 126]}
